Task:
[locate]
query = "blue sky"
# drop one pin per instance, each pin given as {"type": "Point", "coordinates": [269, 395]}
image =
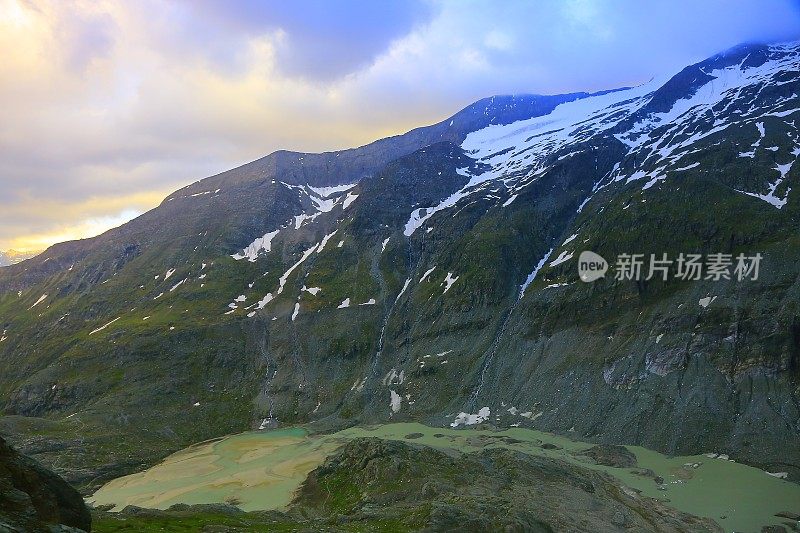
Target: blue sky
{"type": "Point", "coordinates": [110, 105]}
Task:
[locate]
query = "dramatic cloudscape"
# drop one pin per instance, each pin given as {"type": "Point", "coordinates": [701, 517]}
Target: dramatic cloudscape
{"type": "Point", "coordinates": [108, 106]}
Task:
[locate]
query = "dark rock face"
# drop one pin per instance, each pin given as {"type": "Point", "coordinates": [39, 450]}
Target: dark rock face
{"type": "Point", "coordinates": [611, 455]}
{"type": "Point", "coordinates": [420, 488]}
{"type": "Point", "coordinates": [33, 499]}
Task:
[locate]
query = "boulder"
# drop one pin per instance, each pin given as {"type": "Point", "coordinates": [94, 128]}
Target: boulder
{"type": "Point", "coordinates": [34, 499]}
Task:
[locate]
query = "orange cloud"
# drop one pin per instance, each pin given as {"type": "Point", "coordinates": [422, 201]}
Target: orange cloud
{"type": "Point", "coordinates": [79, 220]}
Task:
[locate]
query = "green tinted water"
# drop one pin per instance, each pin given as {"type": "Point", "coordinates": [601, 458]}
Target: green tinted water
{"type": "Point", "coordinates": [257, 470]}
{"type": "Point", "coordinates": [260, 470]}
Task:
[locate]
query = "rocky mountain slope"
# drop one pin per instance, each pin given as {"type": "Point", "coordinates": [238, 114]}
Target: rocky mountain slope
{"type": "Point", "coordinates": [433, 276]}
{"type": "Point", "coordinates": [33, 499]}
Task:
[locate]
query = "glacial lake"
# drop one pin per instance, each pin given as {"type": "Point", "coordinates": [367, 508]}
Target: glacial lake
{"type": "Point", "coordinates": [260, 470]}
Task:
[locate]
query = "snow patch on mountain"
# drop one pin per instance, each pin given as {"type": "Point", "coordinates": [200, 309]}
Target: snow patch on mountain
{"type": "Point", "coordinates": [448, 281]}
{"type": "Point", "coordinates": [283, 279]}
{"type": "Point", "coordinates": [420, 215]}
{"type": "Point", "coordinates": [532, 275]}
{"type": "Point", "coordinates": [351, 197]}
{"type": "Point", "coordinates": [771, 197]}
{"type": "Point", "coordinates": [569, 239]}
{"type": "Point", "coordinates": [403, 290]}
{"type": "Point", "coordinates": [427, 273]}
{"type": "Point", "coordinates": [37, 302]}
{"type": "Point", "coordinates": [325, 241]}
{"type": "Point", "coordinates": [519, 153]}
{"type": "Point", "coordinates": [393, 377]}
{"type": "Point", "coordinates": [265, 300]}
{"type": "Point", "coordinates": [285, 276]}
{"type": "Point", "coordinates": [323, 200]}
{"type": "Point", "coordinates": [395, 401]}
{"type": "Point", "coordinates": [510, 200]}
{"type": "Point", "coordinates": [563, 257]}
{"type": "Point", "coordinates": [325, 192]}
{"type": "Point", "coordinates": [101, 328]}
{"type": "Point", "coordinates": [263, 243]}
{"type": "Point", "coordinates": [467, 419]}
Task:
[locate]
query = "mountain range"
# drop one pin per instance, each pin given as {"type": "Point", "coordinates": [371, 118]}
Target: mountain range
{"type": "Point", "coordinates": [433, 276]}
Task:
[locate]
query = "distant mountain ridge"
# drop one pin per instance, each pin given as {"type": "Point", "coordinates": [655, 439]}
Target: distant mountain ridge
{"type": "Point", "coordinates": [12, 257]}
{"type": "Point", "coordinates": [432, 276]}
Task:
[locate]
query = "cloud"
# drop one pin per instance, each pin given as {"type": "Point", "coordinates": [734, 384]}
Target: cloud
{"type": "Point", "coordinates": [110, 105]}
{"type": "Point", "coordinates": [40, 223]}
{"type": "Point", "coordinates": [84, 37]}
{"type": "Point", "coordinates": [316, 40]}
{"type": "Point", "coordinates": [60, 233]}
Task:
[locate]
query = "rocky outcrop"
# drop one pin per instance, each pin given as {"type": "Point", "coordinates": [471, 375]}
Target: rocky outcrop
{"type": "Point", "coordinates": [611, 455]}
{"type": "Point", "coordinates": [33, 499]}
{"type": "Point", "coordinates": [421, 488]}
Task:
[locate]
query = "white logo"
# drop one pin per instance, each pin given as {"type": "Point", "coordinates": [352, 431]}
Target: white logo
{"type": "Point", "coordinates": [591, 266]}
{"type": "Point", "coordinates": [717, 267]}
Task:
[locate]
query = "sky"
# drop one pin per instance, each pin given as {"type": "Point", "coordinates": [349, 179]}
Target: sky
{"type": "Point", "coordinates": [108, 106]}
